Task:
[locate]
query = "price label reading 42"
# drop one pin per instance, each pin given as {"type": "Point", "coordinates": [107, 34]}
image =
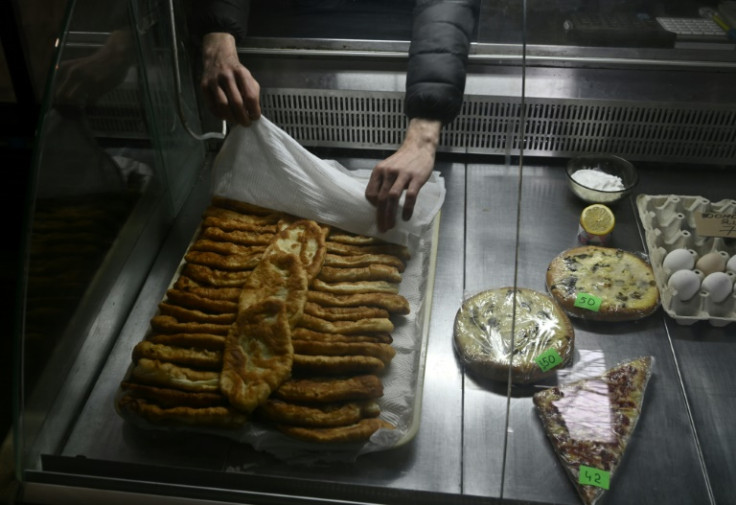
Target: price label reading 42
{"type": "Point", "coordinates": [594, 477]}
{"type": "Point", "coordinates": [588, 301]}
{"type": "Point", "coordinates": [548, 359]}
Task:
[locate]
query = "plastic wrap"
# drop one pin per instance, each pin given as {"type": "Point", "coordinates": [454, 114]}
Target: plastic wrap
{"type": "Point", "coordinates": [669, 225]}
{"type": "Point", "coordinates": [590, 422]}
{"type": "Point", "coordinates": [603, 284]}
{"type": "Point", "coordinates": [483, 331]}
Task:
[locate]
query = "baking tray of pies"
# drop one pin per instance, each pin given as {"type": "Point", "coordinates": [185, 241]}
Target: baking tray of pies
{"type": "Point", "coordinates": [694, 271]}
{"type": "Point", "coordinates": [353, 383]}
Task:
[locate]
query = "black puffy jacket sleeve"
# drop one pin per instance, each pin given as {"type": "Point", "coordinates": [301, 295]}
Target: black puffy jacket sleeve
{"type": "Point", "coordinates": [438, 57]}
{"type": "Point", "coordinates": [229, 16]}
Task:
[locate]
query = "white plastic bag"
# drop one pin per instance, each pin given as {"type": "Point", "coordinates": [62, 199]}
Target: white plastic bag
{"type": "Point", "coordinates": [265, 166]}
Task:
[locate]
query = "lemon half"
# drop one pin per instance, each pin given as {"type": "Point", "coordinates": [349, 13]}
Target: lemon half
{"type": "Point", "coordinates": [597, 219]}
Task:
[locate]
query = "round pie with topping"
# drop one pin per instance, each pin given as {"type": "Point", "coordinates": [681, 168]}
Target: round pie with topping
{"type": "Point", "coordinates": [603, 284]}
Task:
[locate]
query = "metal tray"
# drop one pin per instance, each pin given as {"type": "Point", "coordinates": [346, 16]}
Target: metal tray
{"type": "Point", "coordinates": [403, 380]}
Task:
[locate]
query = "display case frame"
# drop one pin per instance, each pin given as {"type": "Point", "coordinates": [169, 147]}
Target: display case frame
{"type": "Point", "coordinates": [508, 211]}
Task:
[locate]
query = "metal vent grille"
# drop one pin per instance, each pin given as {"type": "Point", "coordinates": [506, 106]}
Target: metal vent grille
{"type": "Point", "coordinates": [660, 131]}
{"type": "Point", "coordinates": [338, 118]}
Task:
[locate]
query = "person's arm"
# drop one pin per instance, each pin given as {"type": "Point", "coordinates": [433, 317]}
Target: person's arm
{"type": "Point", "coordinates": [435, 84]}
{"type": "Point", "coordinates": [230, 90]}
{"type": "Point", "coordinates": [404, 171]}
{"type": "Point", "coordinates": [438, 56]}
{"type": "Point", "coordinates": [82, 81]}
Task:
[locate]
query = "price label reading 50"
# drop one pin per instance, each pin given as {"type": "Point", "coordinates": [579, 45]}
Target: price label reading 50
{"type": "Point", "coordinates": [594, 477]}
{"type": "Point", "coordinates": [548, 359]}
{"type": "Point", "coordinates": [588, 302]}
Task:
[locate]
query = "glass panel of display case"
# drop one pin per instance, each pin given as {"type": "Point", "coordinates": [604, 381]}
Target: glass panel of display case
{"type": "Point", "coordinates": [368, 20]}
{"type": "Point", "coordinates": [592, 429]}
{"type": "Point", "coordinates": [112, 168]}
{"type": "Point", "coordinates": [667, 26]}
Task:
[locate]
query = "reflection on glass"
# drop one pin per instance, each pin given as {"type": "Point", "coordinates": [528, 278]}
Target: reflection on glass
{"type": "Point", "coordinates": [332, 19]}
{"type": "Point", "coordinates": [84, 190]}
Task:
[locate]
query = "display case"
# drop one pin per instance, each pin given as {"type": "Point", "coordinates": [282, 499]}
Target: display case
{"type": "Point", "coordinates": [123, 174]}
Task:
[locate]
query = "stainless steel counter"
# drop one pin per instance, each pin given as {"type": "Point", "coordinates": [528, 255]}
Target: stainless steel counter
{"type": "Point", "coordinates": [476, 444]}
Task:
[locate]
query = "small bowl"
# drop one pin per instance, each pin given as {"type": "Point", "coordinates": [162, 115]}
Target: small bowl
{"type": "Point", "coordinates": [593, 188]}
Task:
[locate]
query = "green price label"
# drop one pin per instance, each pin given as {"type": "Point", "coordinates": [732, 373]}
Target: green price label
{"type": "Point", "coordinates": [548, 359]}
{"type": "Point", "coordinates": [594, 477]}
{"type": "Point", "coordinates": [588, 302]}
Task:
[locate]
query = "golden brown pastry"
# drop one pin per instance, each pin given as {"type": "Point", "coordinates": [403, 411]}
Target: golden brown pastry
{"type": "Point", "coordinates": [361, 326]}
{"type": "Point", "coordinates": [195, 340]}
{"type": "Point", "coordinates": [168, 324]}
{"type": "Point", "coordinates": [192, 300]}
{"type": "Point", "coordinates": [258, 355]}
{"type": "Point", "coordinates": [347, 288]}
{"type": "Point", "coordinates": [363, 260]}
{"type": "Point", "coordinates": [365, 273]}
{"type": "Point", "coordinates": [322, 415]}
{"type": "Point", "coordinates": [399, 251]}
{"type": "Point", "coordinates": [221, 417]}
{"type": "Point", "coordinates": [224, 248]}
{"type": "Point", "coordinates": [319, 336]}
{"type": "Point", "coordinates": [185, 284]}
{"type": "Point", "coordinates": [184, 315]}
{"type": "Point", "coordinates": [279, 276]}
{"type": "Point", "coordinates": [236, 262]}
{"type": "Point", "coordinates": [344, 237]}
{"type": "Point", "coordinates": [169, 397]}
{"type": "Point", "coordinates": [186, 356]}
{"type": "Point", "coordinates": [337, 365]}
{"type": "Point", "coordinates": [358, 432]}
{"type": "Point", "coordinates": [159, 373]}
{"type": "Point", "coordinates": [317, 389]}
{"type": "Point", "coordinates": [344, 313]}
{"type": "Point", "coordinates": [236, 334]}
{"type": "Point", "coordinates": [230, 221]}
{"type": "Point", "coordinates": [306, 240]}
{"type": "Point", "coordinates": [384, 352]}
{"type": "Point", "coordinates": [237, 237]}
{"type": "Point", "coordinates": [393, 302]}
{"type": "Point", "coordinates": [215, 278]}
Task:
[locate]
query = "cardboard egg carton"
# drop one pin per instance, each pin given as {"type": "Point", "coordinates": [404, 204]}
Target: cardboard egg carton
{"type": "Point", "coordinates": [669, 223]}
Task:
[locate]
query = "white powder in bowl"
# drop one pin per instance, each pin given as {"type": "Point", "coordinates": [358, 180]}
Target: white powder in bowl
{"type": "Point", "coordinates": [595, 179]}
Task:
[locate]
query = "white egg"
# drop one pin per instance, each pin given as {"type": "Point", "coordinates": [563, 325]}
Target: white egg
{"type": "Point", "coordinates": [731, 265]}
{"type": "Point", "coordinates": [711, 262]}
{"type": "Point", "coordinates": [685, 283]}
{"type": "Point", "coordinates": [679, 259]}
{"type": "Point", "coordinates": [718, 284]}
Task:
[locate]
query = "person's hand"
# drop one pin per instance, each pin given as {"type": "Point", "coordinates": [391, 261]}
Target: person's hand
{"type": "Point", "coordinates": [82, 81]}
{"type": "Point", "coordinates": [405, 170]}
{"type": "Point", "coordinates": [229, 89]}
